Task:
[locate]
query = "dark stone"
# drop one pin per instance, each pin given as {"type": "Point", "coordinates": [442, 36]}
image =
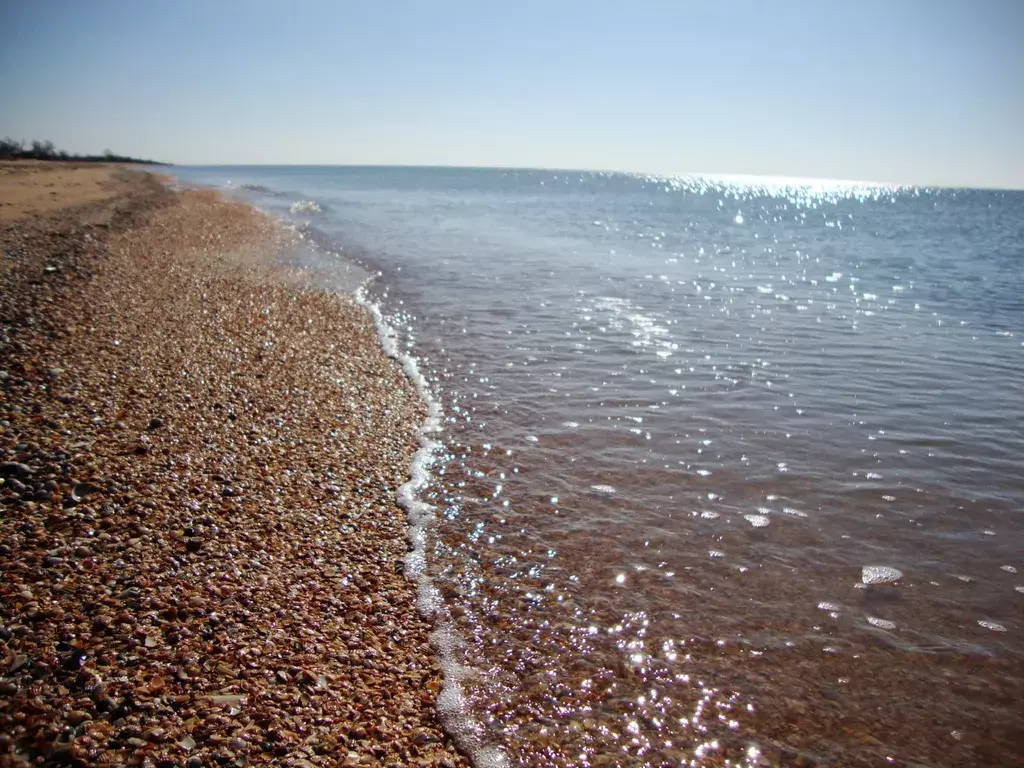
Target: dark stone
{"type": "Point", "coordinates": [75, 660]}
{"type": "Point", "coordinates": [15, 469]}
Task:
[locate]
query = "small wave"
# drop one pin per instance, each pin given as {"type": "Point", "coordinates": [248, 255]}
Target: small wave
{"type": "Point", "coordinates": [452, 706]}
{"type": "Point", "coordinates": [254, 187]}
{"type": "Point", "coordinates": [306, 206]}
{"type": "Point", "coordinates": [992, 625]}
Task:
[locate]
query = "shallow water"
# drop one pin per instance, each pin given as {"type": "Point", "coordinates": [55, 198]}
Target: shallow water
{"type": "Point", "coordinates": [732, 471]}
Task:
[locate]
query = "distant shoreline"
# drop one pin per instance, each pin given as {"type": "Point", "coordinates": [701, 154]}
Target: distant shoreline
{"type": "Point", "coordinates": [45, 151]}
{"type": "Point", "coordinates": [89, 159]}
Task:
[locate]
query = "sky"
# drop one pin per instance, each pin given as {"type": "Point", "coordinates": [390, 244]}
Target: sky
{"type": "Point", "coordinates": [907, 91]}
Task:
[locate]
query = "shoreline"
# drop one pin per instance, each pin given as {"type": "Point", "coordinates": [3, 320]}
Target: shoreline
{"type": "Point", "coordinates": [201, 545]}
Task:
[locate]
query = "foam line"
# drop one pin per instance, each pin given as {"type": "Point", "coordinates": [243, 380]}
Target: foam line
{"type": "Point", "coordinates": [452, 706]}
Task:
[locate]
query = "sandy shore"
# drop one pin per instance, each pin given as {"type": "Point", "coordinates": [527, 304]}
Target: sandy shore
{"type": "Point", "coordinates": [30, 187]}
{"type": "Point", "coordinates": [199, 543]}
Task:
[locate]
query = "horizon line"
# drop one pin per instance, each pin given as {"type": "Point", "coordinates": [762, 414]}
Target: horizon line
{"type": "Point", "coordinates": [779, 179]}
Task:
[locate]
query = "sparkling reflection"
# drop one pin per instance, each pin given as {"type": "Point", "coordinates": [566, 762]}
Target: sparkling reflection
{"type": "Point", "coordinates": [721, 482]}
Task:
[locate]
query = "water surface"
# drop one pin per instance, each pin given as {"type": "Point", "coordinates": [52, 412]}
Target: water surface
{"type": "Point", "coordinates": [732, 470]}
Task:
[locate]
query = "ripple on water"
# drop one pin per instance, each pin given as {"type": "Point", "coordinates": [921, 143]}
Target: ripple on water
{"type": "Point", "coordinates": [306, 206]}
{"type": "Point", "coordinates": [758, 521]}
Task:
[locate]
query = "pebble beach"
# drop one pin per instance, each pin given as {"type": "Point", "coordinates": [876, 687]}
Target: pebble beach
{"type": "Point", "coordinates": [200, 548]}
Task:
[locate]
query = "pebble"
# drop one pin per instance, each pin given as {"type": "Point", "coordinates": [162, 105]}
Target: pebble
{"type": "Point", "coordinates": [15, 469]}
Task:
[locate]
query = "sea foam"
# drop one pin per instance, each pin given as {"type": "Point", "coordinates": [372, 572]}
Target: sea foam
{"type": "Point", "coordinates": [452, 706]}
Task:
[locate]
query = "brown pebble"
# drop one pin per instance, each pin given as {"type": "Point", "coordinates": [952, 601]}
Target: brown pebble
{"type": "Point", "coordinates": [77, 717]}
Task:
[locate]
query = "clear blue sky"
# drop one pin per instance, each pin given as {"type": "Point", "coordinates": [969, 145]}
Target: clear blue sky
{"type": "Point", "coordinates": [927, 91]}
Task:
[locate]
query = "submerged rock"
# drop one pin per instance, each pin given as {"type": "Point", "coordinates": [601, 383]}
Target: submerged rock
{"type": "Point", "coordinates": [880, 574]}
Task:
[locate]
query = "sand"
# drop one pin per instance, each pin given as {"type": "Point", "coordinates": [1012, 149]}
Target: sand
{"type": "Point", "coordinates": [200, 547]}
{"type": "Point", "coordinates": [30, 188]}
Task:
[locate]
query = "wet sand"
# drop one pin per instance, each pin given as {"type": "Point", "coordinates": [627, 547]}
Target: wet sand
{"type": "Point", "coordinates": [200, 548]}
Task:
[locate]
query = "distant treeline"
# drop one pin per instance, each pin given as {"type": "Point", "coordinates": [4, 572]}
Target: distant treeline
{"type": "Point", "coordinates": [11, 149]}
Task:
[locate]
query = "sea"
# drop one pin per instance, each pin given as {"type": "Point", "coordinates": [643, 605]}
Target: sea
{"type": "Point", "coordinates": [719, 470]}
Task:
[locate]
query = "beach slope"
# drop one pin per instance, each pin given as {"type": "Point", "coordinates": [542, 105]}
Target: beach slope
{"type": "Point", "coordinates": [200, 547]}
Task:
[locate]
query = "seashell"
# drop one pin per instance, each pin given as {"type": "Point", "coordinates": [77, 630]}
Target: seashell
{"type": "Point", "coordinates": [82, 491]}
